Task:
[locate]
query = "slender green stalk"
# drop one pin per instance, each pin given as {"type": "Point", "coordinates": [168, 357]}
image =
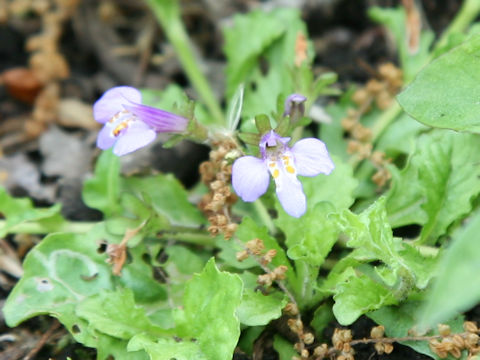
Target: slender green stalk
{"type": "Point", "coordinates": [466, 15]}
{"type": "Point", "coordinates": [265, 216]}
{"type": "Point", "coordinates": [196, 238]}
{"type": "Point", "coordinates": [385, 120]}
{"type": "Point", "coordinates": [168, 14]}
{"type": "Point", "coordinates": [38, 228]}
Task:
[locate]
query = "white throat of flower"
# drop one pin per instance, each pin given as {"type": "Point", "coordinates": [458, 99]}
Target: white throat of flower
{"type": "Point", "coordinates": [120, 122]}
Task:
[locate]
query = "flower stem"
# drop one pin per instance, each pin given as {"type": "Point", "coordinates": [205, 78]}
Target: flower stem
{"type": "Point", "coordinates": [466, 15]}
{"type": "Point", "coordinates": [265, 216]}
{"type": "Point", "coordinates": [168, 14]}
{"type": "Point", "coordinates": [38, 228]}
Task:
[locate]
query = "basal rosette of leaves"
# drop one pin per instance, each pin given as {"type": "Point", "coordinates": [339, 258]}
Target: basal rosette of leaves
{"type": "Point", "coordinates": [309, 239]}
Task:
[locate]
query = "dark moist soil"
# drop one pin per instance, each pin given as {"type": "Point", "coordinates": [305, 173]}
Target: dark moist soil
{"type": "Point", "coordinates": [346, 42]}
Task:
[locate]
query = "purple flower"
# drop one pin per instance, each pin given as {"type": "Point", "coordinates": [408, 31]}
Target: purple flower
{"type": "Point", "coordinates": [308, 157]}
{"type": "Point", "coordinates": [129, 125]}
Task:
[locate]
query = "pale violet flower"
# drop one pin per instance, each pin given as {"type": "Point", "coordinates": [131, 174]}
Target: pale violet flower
{"type": "Point", "coordinates": [308, 157]}
{"type": "Point", "coordinates": [129, 125]}
{"type": "Point", "coordinates": [294, 102]}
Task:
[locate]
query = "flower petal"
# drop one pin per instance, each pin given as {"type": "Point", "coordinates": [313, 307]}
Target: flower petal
{"type": "Point", "coordinates": [160, 120]}
{"type": "Point", "coordinates": [312, 158]}
{"type": "Point", "coordinates": [250, 178]}
{"type": "Point", "coordinates": [135, 137]}
{"type": "Point", "coordinates": [112, 102]}
{"type": "Point", "coordinates": [290, 193]}
{"type": "Point", "coordinates": [105, 140]}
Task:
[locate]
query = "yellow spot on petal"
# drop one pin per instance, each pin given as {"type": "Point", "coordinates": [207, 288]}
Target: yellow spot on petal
{"type": "Point", "coordinates": [290, 169]}
{"type": "Point", "coordinates": [285, 157]}
{"type": "Point", "coordinates": [272, 164]}
{"type": "Point", "coordinates": [276, 173]}
{"type": "Point", "coordinates": [120, 127]}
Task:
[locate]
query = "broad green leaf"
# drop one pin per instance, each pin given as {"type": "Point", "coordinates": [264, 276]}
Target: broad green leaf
{"type": "Point", "coordinates": [208, 315]}
{"type": "Point", "coordinates": [445, 93]}
{"type": "Point", "coordinates": [456, 288]}
{"type": "Point", "coordinates": [102, 192]}
{"type": "Point", "coordinates": [242, 48]}
{"type": "Point", "coordinates": [186, 260]}
{"type": "Point", "coordinates": [18, 211]}
{"type": "Point", "coordinates": [359, 295]}
{"type": "Point", "coordinates": [371, 233]}
{"type": "Point", "coordinates": [50, 286]}
{"type": "Point", "coordinates": [412, 60]}
{"type": "Point", "coordinates": [258, 309]}
{"type": "Point", "coordinates": [400, 320]}
{"type": "Point", "coordinates": [65, 269]}
{"type": "Point", "coordinates": [115, 313]}
{"type": "Point", "coordinates": [371, 236]}
{"type": "Point", "coordinates": [326, 187]}
{"type": "Point", "coordinates": [167, 349]}
{"type": "Point", "coordinates": [311, 237]}
{"type": "Point", "coordinates": [438, 184]}
{"type": "Point", "coordinates": [167, 196]}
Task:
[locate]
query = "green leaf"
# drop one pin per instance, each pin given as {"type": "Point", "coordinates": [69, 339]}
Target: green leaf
{"type": "Point", "coordinates": [456, 288]}
{"type": "Point", "coordinates": [359, 295]}
{"type": "Point", "coordinates": [284, 348]}
{"type": "Point", "coordinates": [65, 269]}
{"type": "Point", "coordinates": [168, 198]}
{"type": "Point", "coordinates": [445, 93]}
{"type": "Point", "coordinates": [371, 236]}
{"type": "Point", "coordinates": [116, 314]}
{"type": "Point", "coordinates": [310, 237]}
{"type": "Point", "coordinates": [18, 211]}
{"type": "Point", "coordinates": [167, 349]}
{"type": "Point", "coordinates": [258, 309]}
{"type": "Point", "coordinates": [274, 43]}
{"type": "Point", "coordinates": [371, 233]}
{"type": "Point", "coordinates": [210, 301]}
{"type": "Point", "coordinates": [325, 187]}
{"type": "Point", "coordinates": [187, 261]}
{"type": "Point", "coordinates": [400, 320]}
{"type": "Point", "coordinates": [102, 192]}
{"type": "Point", "coordinates": [242, 49]}
{"type": "Point", "coordinates": [262, 122]}
{"type": "Point", "coordinates": [438, 184]}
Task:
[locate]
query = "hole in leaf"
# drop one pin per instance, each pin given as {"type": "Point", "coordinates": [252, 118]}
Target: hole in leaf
{"type": "Point", "coordinates": [76, 329]}
{"type": "Point", "coordinates": [407, 231]}
{"type": "Point", "coordinates": [102, 247]}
